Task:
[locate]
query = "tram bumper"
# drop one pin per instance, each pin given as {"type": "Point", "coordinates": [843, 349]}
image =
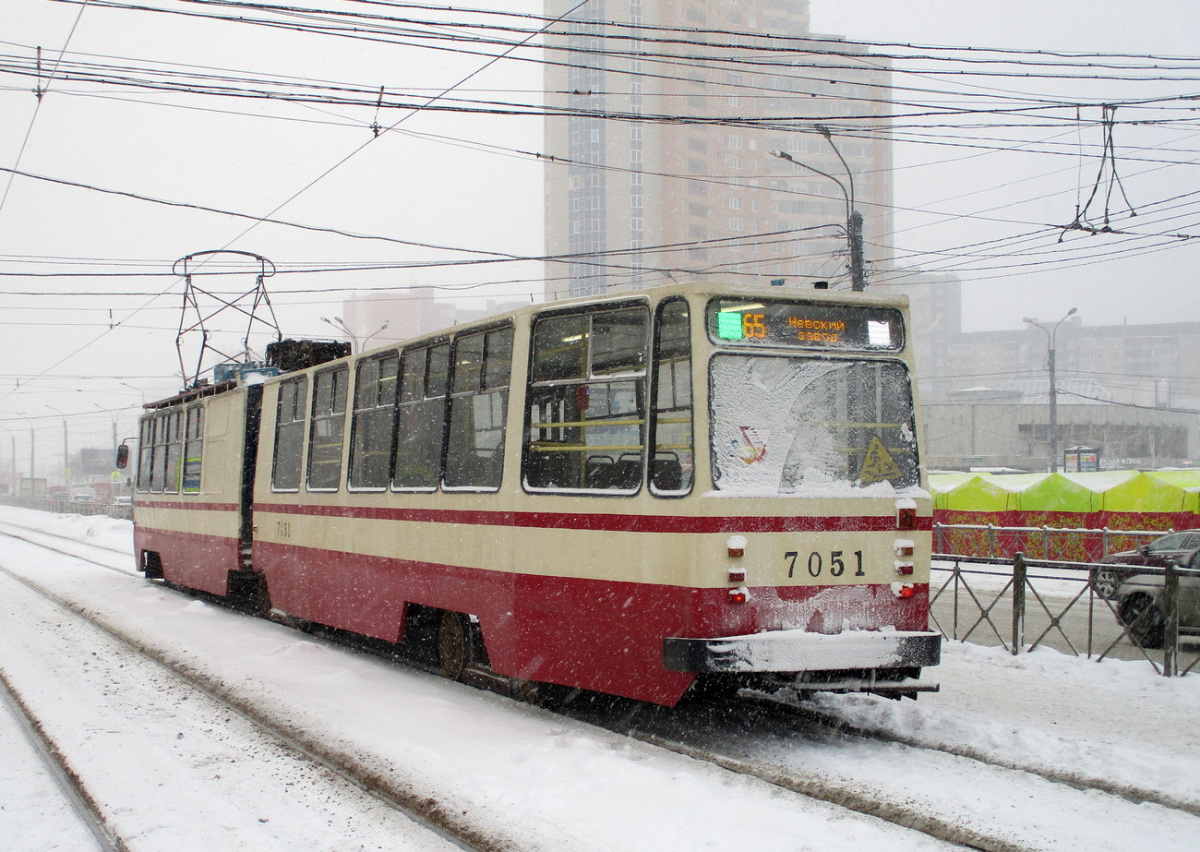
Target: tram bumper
{"type": "Point", "coordinates": [795, 651]}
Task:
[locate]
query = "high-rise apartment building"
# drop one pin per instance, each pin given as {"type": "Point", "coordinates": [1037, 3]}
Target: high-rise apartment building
{"type": "Point", "coordinates": [666, 128]}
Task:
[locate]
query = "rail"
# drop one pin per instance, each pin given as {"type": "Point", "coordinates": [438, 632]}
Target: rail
{"type": "Point", "coordinates": [1050, 543]}
{"type": "Point", "coordinates": [1058, 600]}
{"type": "Point", "coordinates": [121, 511]}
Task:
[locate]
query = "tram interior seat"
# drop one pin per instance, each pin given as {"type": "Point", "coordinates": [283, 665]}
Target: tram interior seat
{"type": "Point", "coordinates": [599, 471]}
{"type": "Point", "coordinates": [607, 473]}
{"type": "Point", "coordinates": [666, 472]}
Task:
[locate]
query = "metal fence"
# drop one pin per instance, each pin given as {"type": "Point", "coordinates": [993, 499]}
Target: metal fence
{"type": "Point", "coordinates": [1048, 543]}
{"type": "Point", "coordinates": [1056, 603]}
{"type": "Point", "coordinates": [121, 511]}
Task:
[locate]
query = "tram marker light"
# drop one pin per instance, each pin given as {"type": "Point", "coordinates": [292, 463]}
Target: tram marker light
{"type": "Point", "coordinates": [736, 545]}
{"type": "Point", "coordinates": [906, 514]}
{"type": "Point", "coordinates": [903, 567]}
{"type": "Point", "coordinates": [739, 595]}
{"type": "Point", "coordinates": [905, 548]}
{"type": "Point", "coordinates": [737, 575]}
{"type": "Point", "coordinates": [904, 590]}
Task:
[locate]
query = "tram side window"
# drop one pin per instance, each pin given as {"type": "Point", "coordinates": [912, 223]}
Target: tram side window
{"type": "Point", "coordinates": [374, 423]}
{"type": "Point", "coordinates": [328, 430]}
{"type": "Point", "coordinates": [478, 407]}
{"type": "Point", "coordinates": [193, 446]}
{"type": "Point", "coordinates": [145, 453]}
{"type": "Point", "coordinates": [587, 401]}
{"type": "Point", "coordinates": [168, 454]}
{"type": "Point", "coordinates": [289, 435]}
{"type": "Point", "coordinates": [421, 417]}
{"type": "Point", "coordinates": [672, 468]}
{"type": "Point", "coordinates": [158, 432]}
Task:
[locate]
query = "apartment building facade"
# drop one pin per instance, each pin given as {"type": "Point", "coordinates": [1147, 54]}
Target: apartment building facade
{"type": "Point", "coordinates": [665, 120]}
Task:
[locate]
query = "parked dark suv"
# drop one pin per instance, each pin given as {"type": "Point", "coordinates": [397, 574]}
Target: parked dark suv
{"type": "Point", "coordinates": [1170, 548]}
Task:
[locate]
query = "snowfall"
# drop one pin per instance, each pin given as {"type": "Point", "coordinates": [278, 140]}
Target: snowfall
{"type": "Point", "coordinates": [543, 780]}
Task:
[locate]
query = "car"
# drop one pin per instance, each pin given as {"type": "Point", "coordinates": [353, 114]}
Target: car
{"type": "Point", "coordinates": [1118, 567]}
{"type": "Point", "coordinates": [1140, 603]}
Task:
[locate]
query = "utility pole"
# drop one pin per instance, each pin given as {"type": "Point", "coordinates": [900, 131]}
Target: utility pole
{"type": "Point", "coordinates": [1050, 363]}
{"type": "Point", "coordinates": [858, 276]}
{"type": "Point", "coordinates": [854, 219]}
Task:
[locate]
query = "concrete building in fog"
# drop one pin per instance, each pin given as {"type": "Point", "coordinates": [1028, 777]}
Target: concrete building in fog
{"type": "Point", "coordinates": [406, 313]}
{"type": "Point", "coordinates": [1131, 392]}
{"type": "Point", "coordinates": [663, 117]}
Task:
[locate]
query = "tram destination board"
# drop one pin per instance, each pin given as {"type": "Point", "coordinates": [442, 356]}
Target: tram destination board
{"type": "Point", "coordinates": [806, 325]}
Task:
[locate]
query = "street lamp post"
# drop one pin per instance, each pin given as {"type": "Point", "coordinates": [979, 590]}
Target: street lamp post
{"type": "Point", "coordinates": [32, 451]}
{"type": "Point", "coordinates": [66, 450]}
{"type": "Point", "coordinates": [1050, 363]}
{"type": "Point", "coordinates": [854, 220]}
{"type": "Point", "coordinates": [113, 416]}
{"type": "Point", "coordinates": [140, 392]}
{"type": "Point", "coordinates": [340, 324]}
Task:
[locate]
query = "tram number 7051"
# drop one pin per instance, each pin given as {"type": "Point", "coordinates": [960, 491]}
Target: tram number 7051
{"type": "Point", "coordinates": [816, 563]}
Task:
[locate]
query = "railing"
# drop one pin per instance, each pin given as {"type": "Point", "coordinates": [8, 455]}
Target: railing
{"type": "Point", "coordinates": [1034, 591]}
{"type": "Point", "coordinates": [121, 511]}
{"type": "Point", "coordinates": [1048, 543]}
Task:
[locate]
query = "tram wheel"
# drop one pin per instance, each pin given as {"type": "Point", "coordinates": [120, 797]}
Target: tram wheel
{"type": "Point", "coordinates": [453, 644]}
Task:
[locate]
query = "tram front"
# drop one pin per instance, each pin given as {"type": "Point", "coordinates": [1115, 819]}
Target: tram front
{"type": "Point", "coordinates": [813, 451]}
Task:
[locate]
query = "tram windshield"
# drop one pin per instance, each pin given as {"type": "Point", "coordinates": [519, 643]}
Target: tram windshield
{"type": "Point", "coordinates": [796, 426]}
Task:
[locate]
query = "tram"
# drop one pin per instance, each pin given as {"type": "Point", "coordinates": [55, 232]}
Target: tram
{"type": "Point", "coordinates": [694, 486]}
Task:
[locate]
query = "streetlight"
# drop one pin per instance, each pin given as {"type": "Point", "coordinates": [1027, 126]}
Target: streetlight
{"type": "Point", "coordinates": [1050, 335]}
{"type": "Point", "coordinates": [340, 324]}
{"type": "Point", "coordinates": [12, 487]}
{"type": "Point", "coordinates": [140, 392]}
{"type": "Point", "coordinates": [854, 220]}
{"type": "Point", "coordinates": [66, 454]}
{"type": "Point", "coordinates": [113, 415]}
{"type": "Point", "coordinates": [32, 454]}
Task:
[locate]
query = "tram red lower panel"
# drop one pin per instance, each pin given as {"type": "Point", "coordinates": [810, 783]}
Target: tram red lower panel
{"type": "Point", "coordinates": [195, 561]}
{"type": "Point", "coordinates": [600, 635]}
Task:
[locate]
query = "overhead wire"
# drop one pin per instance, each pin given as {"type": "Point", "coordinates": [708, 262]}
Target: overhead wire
{"type": "Point", "coordinates": [256, 5]}
{"type": "Point", "coordinates": [42, 88]}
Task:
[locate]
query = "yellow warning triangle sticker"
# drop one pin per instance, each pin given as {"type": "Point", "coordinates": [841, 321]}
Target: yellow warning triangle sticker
{"type": "Point", "coordinates": [879, 464]}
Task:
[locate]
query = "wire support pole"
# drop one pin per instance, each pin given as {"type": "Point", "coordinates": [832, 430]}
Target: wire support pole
{"type": "Point", "coordinates": [1051, 358]}
{"type": "Point", "coordinates": [854, 219]}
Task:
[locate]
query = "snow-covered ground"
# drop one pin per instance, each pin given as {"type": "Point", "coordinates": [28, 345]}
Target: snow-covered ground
{"type": "Point", "coordinates": [546, 782]}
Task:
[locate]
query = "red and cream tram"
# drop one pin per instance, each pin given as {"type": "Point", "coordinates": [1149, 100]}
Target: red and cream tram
{"type": "Point", "coordinates": [618, 494]}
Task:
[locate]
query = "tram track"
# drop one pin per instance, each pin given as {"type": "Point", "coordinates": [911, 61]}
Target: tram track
{"type": "Point", "coordinates": [346, 770]}
{"type": "Point", "coordinates": [456, 826]}
{"type": "Point", "coordinates": [738, 734]}
{"type": "Point", "coordinates": [906, 803]}
{"type": "Point", "coordinates": [112, 558]}
{"type": "Point", "coordinates": [52, 760]}
{"type": "Point", "coordinates": [740, 730]}
{"type": "Point", "coordinates": [1136, 794]}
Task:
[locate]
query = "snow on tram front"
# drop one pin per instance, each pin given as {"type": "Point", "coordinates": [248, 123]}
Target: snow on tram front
{"type": "Point", "coordinates": [695, 486]}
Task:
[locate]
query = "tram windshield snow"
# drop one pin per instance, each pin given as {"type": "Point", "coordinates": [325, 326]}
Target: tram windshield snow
{"type": "Point", "coordinates": [794, 426]}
